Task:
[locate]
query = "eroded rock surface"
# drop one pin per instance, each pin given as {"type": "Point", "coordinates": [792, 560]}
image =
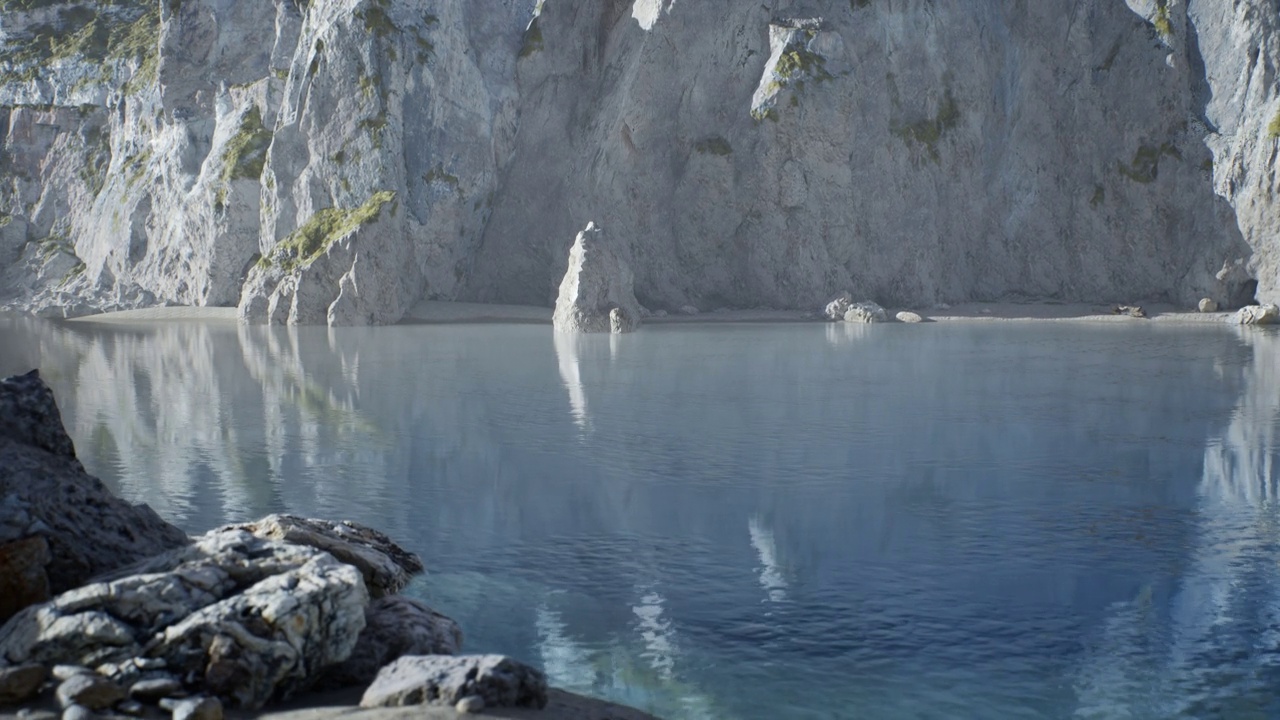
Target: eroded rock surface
{"type": "Point", "coordinates": [444, 680]}
{"type": "Point", "coordinates": [596, 293]}
{"type": "Point", "coordinates": [59, 526]}
{"type": "Point", "coordinates": [1258, 315]}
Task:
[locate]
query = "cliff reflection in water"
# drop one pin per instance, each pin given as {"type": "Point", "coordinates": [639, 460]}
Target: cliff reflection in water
{"type": "Point", "coordinates": [751, 521]}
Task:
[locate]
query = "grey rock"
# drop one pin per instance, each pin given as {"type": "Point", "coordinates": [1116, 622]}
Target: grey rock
{"type": "Point", "coordinates": [1258, 315]}
{"type": "Point", "coordinates": [66, 672]}
{"type": "Point", "coordinates": [247, 617]}
{"type": "Point", "coordinates": [202, 708]}
{"type": "Point", "coordinates": [836, 307]}
{"type": "Point", "coordinates": [470, 704]}
{"type": "Point", "coordinates": [82, 529]}
{"type": "Point", "coordinates": [1207, 305]}
{"type": "Point", "coordinates": [78, 712]}
{"type": "Point", "coordinates": [395, 626]}
{"type": "Point", "coordinates": [906, 316]}
{"type": "Point", "coordinates": [597, 282]}
{"type": "Point", "coordinates": [153, 689]}
{"type": "Point", "coordinates": [92, 691]}
{"type": "Point", "coordinates": [386, 567]}
{"type": "Point", "coordinates": [21, 683]}
{"type": "Point", "coordinates": [445, 680]}
{"type": "Point", "coordinates": [865, 312]}
{"type": "Point", "coordinates": [132, 708]}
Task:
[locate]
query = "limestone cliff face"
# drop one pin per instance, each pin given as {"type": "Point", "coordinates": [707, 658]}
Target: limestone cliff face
{"type": "Point", "coordinates": [338, 160]}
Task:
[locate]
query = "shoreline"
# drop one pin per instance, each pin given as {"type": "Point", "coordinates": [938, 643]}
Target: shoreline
{"type": "Point", "coordinates": [436, 312]}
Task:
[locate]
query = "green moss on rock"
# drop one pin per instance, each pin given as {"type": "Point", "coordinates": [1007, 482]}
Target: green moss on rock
{"type": "Point", "coordinates": [326, 227]}
{"type": "Point", "coordinates": [246, 153]}
{"type": "Point", "coordinates": [714, 145]}
{"type": "Point", "coordinates": [1273, 129]}
{"type": "Point", "coordinates": [1145, 167]}
{"type": "Point", "coordinates": [929, 132]}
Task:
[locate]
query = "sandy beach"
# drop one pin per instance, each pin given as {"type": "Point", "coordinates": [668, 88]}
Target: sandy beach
{"type": "Point", "coordinates": [434, 312]}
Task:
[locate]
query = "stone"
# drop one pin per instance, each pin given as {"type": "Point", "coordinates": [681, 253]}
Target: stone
{"type": "Point", "coordinates": [61, 525]}
{"type": "Point", "coordinates": [201, 708]}
{"type": "Point", "coordinates": [92, 691]}
{"type": "Point", "coordinates": [386, 567]}
{"type": "Point", "coordinates": [470, 704]}
{"type": "Point", "coordinates": [153, 689]}
{"type": "Point", "coordinates": [394, 626]}
{"type": "Point", "coordinates": [132, 708]}
{"type": "Point", "coordinates": [21, 683]}
{"type": "Point", "coordinates": [906, 316]}
{"type": "Point", "coordinates": [1207, 305]}
{"type": "Point", "coordinates": [445, 680]}
{"type": "Point", "coordinates": [78, 712]}
{"type": "Point", "coordinates": [1257, 315]}
{"type": "Point", "coordinates": [837, 306]}
{"type": "Point", "coordinates": [1130, 310]}
{"type": "Point", "coordinates": [596, 283]}
{"type": "Point", "coordinates": [66, 672]}
{"type": "Point", "coordinates": [244, 617]}
{"type": "Point", "coordinates": [865, 312]}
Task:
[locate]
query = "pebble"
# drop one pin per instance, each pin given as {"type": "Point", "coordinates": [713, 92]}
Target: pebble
{"type": "Point", "coordinates": [470, 704]}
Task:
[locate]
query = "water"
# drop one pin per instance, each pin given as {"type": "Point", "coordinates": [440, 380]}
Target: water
{"type": "Point", "coordinates": [753, 521]}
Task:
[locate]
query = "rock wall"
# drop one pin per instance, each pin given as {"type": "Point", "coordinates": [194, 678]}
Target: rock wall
{"type": "Point", "coordinates": [338, 160]}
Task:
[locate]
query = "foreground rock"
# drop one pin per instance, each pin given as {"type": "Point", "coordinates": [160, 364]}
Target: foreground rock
{"type": "Point", "coordinates": [1258, 315]}
{"type": "Point", "coordinates": [386, 567]}
{"type": "Point", "coordinates": [59, 526]}
{"type": "Point", "coordinates": [242, 617]}
{"type": "Point", "coordinates": [443, 680]}
{"type": "Point", "coordinates": [596, 294]}
{"type": "Point", "coordinates": [18, 684]}
{"type": "Point", "coordinates": [395, 626]}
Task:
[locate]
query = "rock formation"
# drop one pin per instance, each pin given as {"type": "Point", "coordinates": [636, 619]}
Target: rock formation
{"type": "Point", "coordinates": [442, 680]}
{"type": "Point", "coordinates": [59, 526]}
{"type": "Point", "coordinates": [337, 160]}
{"type": "Point", "coordinates": [596, 292]}
{"type": "Point", "coordinates": [1258, 315]}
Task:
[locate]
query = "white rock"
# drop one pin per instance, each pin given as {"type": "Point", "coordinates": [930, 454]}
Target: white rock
{"type": "Point", "coordinates": [470, 704]}
{"type": "Point", "coordinates": [907, 316]}
{"type": "Point", "coordinates": [836, 307]}
{"type": "Point", "coordinates": [1258, 315]}
{"type": "Point", "coordinates": [597, 283]}
{"type": "Point", "coordinates": [1207, 305]}
{"type": "Point", "coordinates": [865, 312]}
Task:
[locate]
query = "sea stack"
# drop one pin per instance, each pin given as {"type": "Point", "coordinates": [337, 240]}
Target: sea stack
{"type": "Point", "coordinates": [596, 294]}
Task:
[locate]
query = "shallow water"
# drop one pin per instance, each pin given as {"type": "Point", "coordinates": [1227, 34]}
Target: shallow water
{"type": "Point", "coordinates": [999, 520]}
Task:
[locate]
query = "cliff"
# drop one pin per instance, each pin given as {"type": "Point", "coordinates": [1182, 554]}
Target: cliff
{"type": "Point", "coordinates": [338, 160]}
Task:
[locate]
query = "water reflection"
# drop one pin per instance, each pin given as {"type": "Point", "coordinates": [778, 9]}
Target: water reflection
{"type": "Point", "coordinates": [940, 521]}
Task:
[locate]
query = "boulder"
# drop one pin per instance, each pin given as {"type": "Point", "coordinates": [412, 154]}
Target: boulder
{"type": "Point", "coordinates": [907, 316]}
{"type": "Point", "coordinates": [597, 282]}
{"type": "Point", "coordinates": [837, 306]}
{"type": "Point", "coordinates": [1207, 305]}
{"type": "Point", "coordinates": [386, 567]}
{"type": "Point", "coordinates": [154, 689]}
{"type": "Point", "coordinates": [92, 691]}
{"type": "Point", "coordinates": [239, 616]}
{"type": "Point", "coordinates": [445, 681]}
{"type": "Point", "coordinates": [395, 626]}
{"type": "Point", "coordinates": [865, 312]}
{"type": "Point", "coordinates": [21, 683]}
{"type": "Point", "coordinates": [1258, 315]}
{"type": "Point", "coordinates": [59, 526]}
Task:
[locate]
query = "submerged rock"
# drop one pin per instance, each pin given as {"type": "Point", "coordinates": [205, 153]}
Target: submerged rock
{"type": "Point", "coordinates": [59, 526]}
{"type": "Point", "coordinates": [395, 626]}
{"type": "Point", "coordinates": [443, 680]}
{"type": "Point", "coordinates": [597, 283]}
{"type": "Point", "coordinates": [1258, 315]}
{"type": "Point", "coordinates": [865, 312]}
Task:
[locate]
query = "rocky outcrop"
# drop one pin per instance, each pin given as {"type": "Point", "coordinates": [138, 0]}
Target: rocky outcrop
{"type": "Point", "coordinates": [443, 680]}
{"type": "Point", "coordinates": [596, 293]}
{"type": "Point", "coordinates": [59, 526]}
{"type": "Point", "coordinates": [395, 626]}
{"type": "Point", "coordinates": [335, 161]}
{"type": "Point", "coordinates": [865, 312]}
{"type": "Point", "coordinates": [1258, 315]}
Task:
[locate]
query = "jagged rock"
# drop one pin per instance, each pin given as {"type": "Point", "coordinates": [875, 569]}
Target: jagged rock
{"type": "Point", "coordinates": [395, 626]}
{"type": "Point", "coordinates": [837, 306]}
{"type": "Point", "coordinates": [82, 529]}
{"type": "Point", "coordinates": [132, 670]}
{"type": "Point", "coordinates": [386, 567]}
{"type": "Point", "coordinates": [18, 684]}
{"type": "Point", "coordinates": [865, 312]}
{"type": "Point", "coordinates": [906, 316]}
{"type": "Point", "coordinates": [1258, 315]}
{"type": "Point", "coordinates": [444, 680]}
{"type": "Point", "coordinates": [92, 691]}
{"type": "Point", "coordinates": [201, 708]}
{"type": "Point", "coordinates": [596, 283]}
{"type": "Point", "coordinates": [1207, 305]}
{"type": "Point", "coordinates": [242, 617]}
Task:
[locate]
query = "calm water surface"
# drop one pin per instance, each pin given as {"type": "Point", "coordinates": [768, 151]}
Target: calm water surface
{"type": "Point", "coordinates": [753, 521]}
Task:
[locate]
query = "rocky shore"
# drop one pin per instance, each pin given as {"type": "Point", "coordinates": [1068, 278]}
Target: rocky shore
{"type": "Point", "coordinates": [109, 611]}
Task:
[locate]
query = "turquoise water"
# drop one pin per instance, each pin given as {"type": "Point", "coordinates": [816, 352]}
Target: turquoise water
{"type": "Point", "coordinates": [994, 520]}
